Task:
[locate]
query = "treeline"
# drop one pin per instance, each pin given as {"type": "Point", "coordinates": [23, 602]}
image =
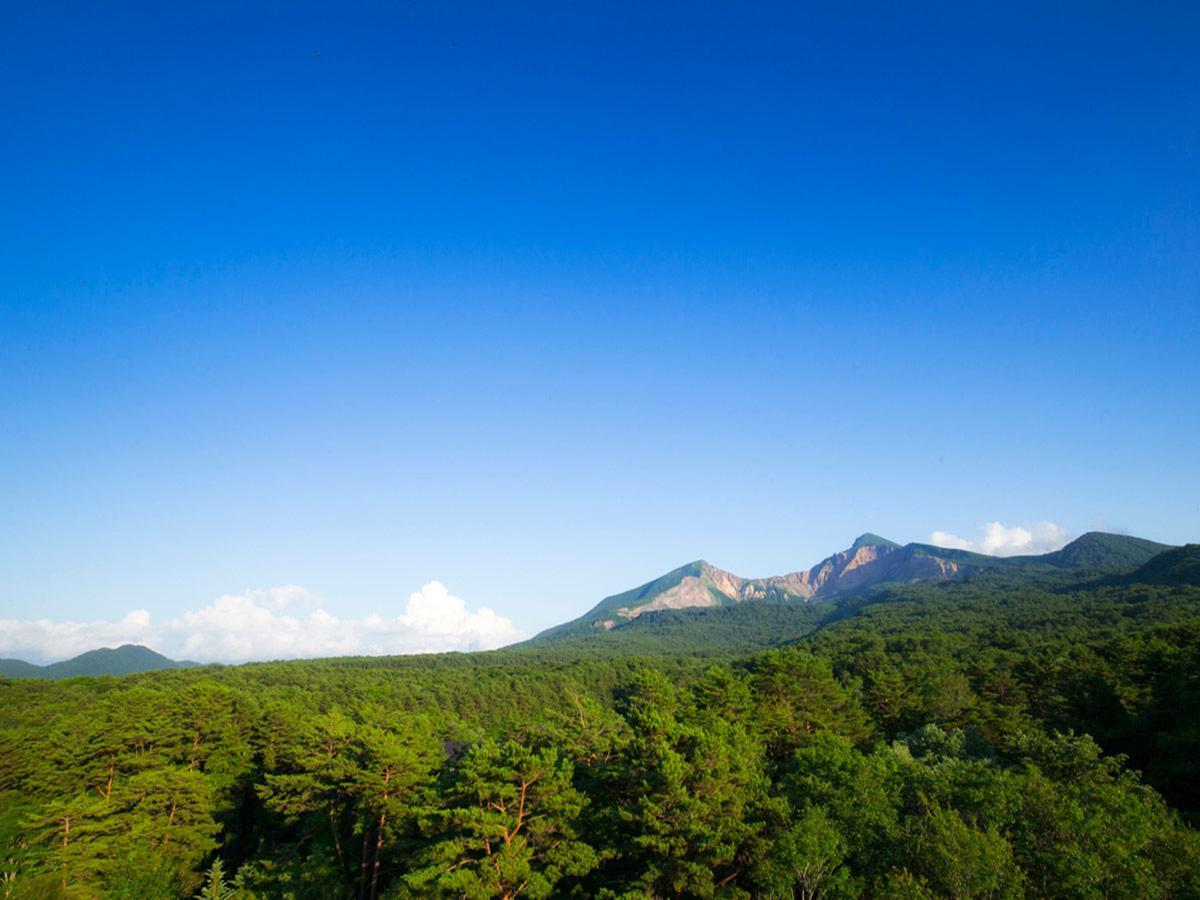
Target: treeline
{"type": "Point", "coordinates": [977, 739]}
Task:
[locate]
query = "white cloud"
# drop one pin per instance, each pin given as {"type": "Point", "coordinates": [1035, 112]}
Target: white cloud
{"type": "Point", "coordinates": [275, 623]}
{"type": "Point", "coordinates": [1001, 540]}
{"type": "Point", "coordinates": [41, 639]}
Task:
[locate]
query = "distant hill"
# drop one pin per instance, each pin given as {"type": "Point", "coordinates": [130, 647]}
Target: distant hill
{"type": "Point", "coordinates": [18, 668]}
{"type": "Point", "coordinates": [869, 562]}
{"type": "Point", "coordinates": [1099, 551]}
{"type": "Point", "coordinates": [124, 660]}
{"type": "Point", "coordinates": [1177, 566]}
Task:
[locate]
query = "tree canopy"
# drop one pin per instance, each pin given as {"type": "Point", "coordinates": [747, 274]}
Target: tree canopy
{"type": "Point", "coordinates": [985, 738]}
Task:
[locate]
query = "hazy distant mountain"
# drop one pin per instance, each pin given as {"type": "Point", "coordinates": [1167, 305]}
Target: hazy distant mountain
{"type": "Point", "coordinates": [18, 668]}
{"type": "Point", "coordinates": [871, 560]}
{"type": "Point", "coordinates": [124, 660]}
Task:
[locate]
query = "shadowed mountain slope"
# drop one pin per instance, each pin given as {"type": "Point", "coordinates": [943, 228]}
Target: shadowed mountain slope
{"type": "Point", "coordinates": [1177, 566]}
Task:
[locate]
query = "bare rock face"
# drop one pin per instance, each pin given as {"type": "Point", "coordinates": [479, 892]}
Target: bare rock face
{"type": "Point", "coordinates": [692, 591]}
{"type": "Point", "coordinates": [869, 561]}
{"type": "Point", "coordinates": [845, 569]}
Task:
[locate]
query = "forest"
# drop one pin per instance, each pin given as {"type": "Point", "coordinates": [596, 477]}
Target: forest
{"type": "Point", "coordinates": [999, 736]}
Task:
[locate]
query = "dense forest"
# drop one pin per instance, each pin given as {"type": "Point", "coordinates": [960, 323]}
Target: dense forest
{"type": "Point", "coordinates": [1004, 735]}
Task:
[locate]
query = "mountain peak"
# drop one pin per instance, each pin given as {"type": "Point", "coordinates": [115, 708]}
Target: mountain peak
{"type": "Point", "coordinates": [1100, 550]}
{"type": "Point", "coordinates": [123, 660]}
{"type": "Point", "coordinates": [873, 540]}
{"type": "Point", "coordinates": [870, 561]}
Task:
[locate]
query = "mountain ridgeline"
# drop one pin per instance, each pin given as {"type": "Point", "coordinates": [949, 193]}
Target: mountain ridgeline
{"type": "Point", "coordinates": [1010, 729]}
{"type": "Point", "coordinates": [870, 562]}
{"type": "Point", "coordinates": [723, 613]}
{"type": "Point", "coordinates": [124, 660]}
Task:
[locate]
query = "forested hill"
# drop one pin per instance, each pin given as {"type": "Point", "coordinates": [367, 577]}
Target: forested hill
{"type": "Point", "coordinates": [731, 630]}
{"type": "Point", "coordinates": [123, 660]}
{"type": "Point", "coordinates": [1179, 566]}
{"type": "Point", "coordinates": [992, 736]}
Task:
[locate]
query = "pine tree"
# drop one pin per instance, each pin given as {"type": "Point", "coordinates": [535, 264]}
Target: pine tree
{"type": "Point", "coordinates": [215, 887]}
{"type": "Point", "coordinates": [508, 827]}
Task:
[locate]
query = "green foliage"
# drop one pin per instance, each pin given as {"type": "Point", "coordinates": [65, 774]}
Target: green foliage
{"type": "Point", "coordinates": [797, 696]}
{"type": "Point", "coordinates": [695, 793]}
{"type": "Point", "coordinates": [958, 860]}
{"type": "Point", "coordinates": [506, 827]}
{"type": "Point", "coordinates": [1097, 550]}
{"type": "Point", "coordinates": [215, 886]}
{"type": "Point", "coordinates": [1175, 567]}
{"type": "Point", "coordinates": [806, 859]}
{"type": "Point", "coordinates": [981, 738]}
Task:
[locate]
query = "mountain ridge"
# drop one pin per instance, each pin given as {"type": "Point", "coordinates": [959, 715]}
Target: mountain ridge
{"type": "Point", "coordinates": [869, 561]}
{"type": "Point", "coordinates": [126, 659]}
{"type": "Point", "coordinates": [1177, 566]}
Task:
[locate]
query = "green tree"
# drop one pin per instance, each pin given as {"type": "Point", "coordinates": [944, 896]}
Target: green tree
{"type": "Point", "coordinates": [795, 696]}
{"type": "Point", "coordinates": [393, 766]}
{"type": "Point", "coordinates": [963, 862]}
{"type": "Point", "coordinates": [215, 887]}
{"type": "Point", "coordinates": [695, 798]}
{"type": "Point", "coordinates": [507, 829]}
{"type": "Point", "coordinates": [806, 859]}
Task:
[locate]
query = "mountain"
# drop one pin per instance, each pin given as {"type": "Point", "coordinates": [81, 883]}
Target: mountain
{"type": "Point", "coordinates": [18, 668]}
{"type": "Point", "coordinates": [124, 660]}
{"type": "Point", "coordinates": [1099, 551]}
{"type": "Point", "coordinates": [1177, 566]}
{"type": "Point", "coordinates": [870, 561]}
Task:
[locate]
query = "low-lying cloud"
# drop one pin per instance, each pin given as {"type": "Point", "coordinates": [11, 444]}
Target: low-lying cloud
{"type": "Point", "coordinates": [1001, 540]}
{"type": "Point", "coordinates": [276, 623]}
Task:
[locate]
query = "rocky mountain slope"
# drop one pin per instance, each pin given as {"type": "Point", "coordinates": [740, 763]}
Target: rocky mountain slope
{"type": "Point", "coordinates": [871, 560]}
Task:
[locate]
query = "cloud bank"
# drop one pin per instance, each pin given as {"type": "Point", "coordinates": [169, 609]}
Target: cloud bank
{"type": "Point", "coordinates": [276, 623]}
{"type": "Point", "coordinates": [1001, 540]}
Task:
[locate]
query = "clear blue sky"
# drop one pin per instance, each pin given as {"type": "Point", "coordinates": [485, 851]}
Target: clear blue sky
{"type": "Point", "coordinates": [542, 301]}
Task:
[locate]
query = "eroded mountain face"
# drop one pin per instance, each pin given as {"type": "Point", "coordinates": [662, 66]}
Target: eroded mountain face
{"type": "Point", "coordinates": [868, 561]}
{"type": "Point", "coordinates": [847, 567]}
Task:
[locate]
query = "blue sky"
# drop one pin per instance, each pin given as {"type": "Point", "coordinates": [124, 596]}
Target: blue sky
{"type": "Point", "coordinates": [540, 301]}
